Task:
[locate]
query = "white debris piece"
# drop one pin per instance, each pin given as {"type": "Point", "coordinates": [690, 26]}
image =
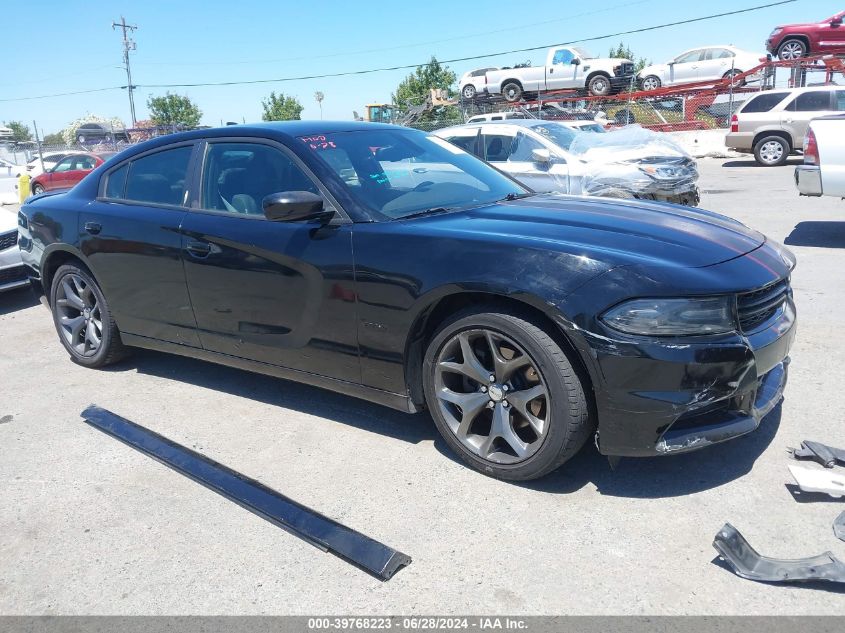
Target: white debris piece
{"type": "Point", "coordinates": [812, 480]}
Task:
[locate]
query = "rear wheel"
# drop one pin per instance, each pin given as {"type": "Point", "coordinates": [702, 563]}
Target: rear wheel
{"type": "Point", "coordinates": [771, 151]}
{"type": "Point", "coordinates": [512, 91]}
{"type": "Point", "coordinates": [504, 395]}
{"type": "Point", "coordinates": [83, 318]}
{"type": "Point", "coordinates": [792, 49]}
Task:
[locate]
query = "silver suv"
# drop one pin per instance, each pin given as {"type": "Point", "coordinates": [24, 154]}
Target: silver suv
{"type": "Point", "coordinates": [773, 124]}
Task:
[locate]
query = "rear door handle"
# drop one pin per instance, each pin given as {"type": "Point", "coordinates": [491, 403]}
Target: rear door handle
{"type": "Point", "coordinates": [198, 249]}
{"type": "Point", "coordinates": [93, 227]}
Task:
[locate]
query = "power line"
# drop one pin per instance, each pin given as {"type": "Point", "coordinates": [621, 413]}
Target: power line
{"type": "Point", "coordinates": [64, 94]}
{"type": "Point", "coordinates": [465, 36]}
{"type": "Point", "coordinates": [473, 57]}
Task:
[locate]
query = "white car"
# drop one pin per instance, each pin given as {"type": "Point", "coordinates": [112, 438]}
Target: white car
{"type": "Point", "coordinates": [473, 82]}
{"type": "Point", "coordinates": [823, 171]}
{"type": "Point", "coordinates": [12, 271]}
{"type": "Point", "coordinates": [33, 167]}
{"type": "Point", "coordinates": [707, 63]}
{"type": "Point", "coordinates": [549, 156]}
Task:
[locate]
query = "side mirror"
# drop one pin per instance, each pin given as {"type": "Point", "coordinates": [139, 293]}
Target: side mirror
{"type": "Point", "coordinates": [293, 206]}
{"type": "Point", "coordinates": [542, 156]}
{"type": "Point", "coordinates": [576, 62]}
{"type": "Point", "coordinates": [836, 22]}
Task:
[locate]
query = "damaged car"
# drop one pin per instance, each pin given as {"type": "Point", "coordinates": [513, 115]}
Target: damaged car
{"type": "Point", "coordinates": [550, 156]}
{"type": "Point", "coordinates": [391, 265]}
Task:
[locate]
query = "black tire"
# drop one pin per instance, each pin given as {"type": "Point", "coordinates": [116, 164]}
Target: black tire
{"type": "Point", "coordinates": [652, 82]}
{"type": "Point", "coordinates": [111, 348]}
{"type": "Point", "coordinates": [512, 91]}
{"type": "Point", "coordinates": [37, 189]}
{"type": "Point", "coordinates": [468, 92]}
{"type": "Point", "coordinates": [599, 85]}
{"type": "Point", "coordinates": [791, 49]}
{"type": "Point", "coordinates": [766, 153]}
{"type": "Point", "coordinates": [569, 420]}
{"type": "Point", "coordinates": [80, 138]}
{"type": "Point", "coordinates": [732, 73]}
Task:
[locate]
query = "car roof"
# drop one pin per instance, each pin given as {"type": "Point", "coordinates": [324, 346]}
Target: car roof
{"type": "Point", "coordinates": [280, 130]}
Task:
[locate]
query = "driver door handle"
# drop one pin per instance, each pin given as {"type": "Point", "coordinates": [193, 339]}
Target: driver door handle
{"type": "Point", "coordinates": [198, 249]}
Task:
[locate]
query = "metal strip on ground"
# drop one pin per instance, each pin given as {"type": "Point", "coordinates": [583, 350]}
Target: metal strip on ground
{"type": "Point", "coordinates": [376, 558]}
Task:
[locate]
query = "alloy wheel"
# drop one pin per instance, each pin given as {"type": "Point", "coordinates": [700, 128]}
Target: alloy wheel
{"type": "Point", "coordinates": [79, 315]}
{"type": "Point", "coordinates": [492, 396]}
{"type": "Point", "coordinates": [469, 92]}
{"type": "Point", "coordinates": [771, 152]}
{"type": "Point", "coordinates": [651, 83]}
{"type": "Point", "coordinates": [791, 50]}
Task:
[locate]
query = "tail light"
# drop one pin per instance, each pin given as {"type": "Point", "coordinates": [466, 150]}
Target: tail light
{"type": "Point", "coordinates": [811, 149]}
{"type": "Point", "coordinates": [734, 123]}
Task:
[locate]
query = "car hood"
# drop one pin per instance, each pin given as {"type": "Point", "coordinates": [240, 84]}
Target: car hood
{"type": "Point", "coordinates": [617, 232]}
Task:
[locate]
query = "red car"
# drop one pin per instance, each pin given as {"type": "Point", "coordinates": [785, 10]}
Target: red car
{"type": "Point", "coordinates": [792, 41]}
{"type": "Point", "coordinates": [68, 171]}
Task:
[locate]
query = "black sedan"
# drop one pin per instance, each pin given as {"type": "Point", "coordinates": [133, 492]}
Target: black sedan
{"type": "Point", "coordinates": [388, 264]}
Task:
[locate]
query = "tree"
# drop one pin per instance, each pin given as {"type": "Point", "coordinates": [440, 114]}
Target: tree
{"type": "Point", "coordinates": [174, 110]}
{"type": "Point", "coordinates": [281, 108]}
{"type": "Point", "coordinates": [319, 96]}
{"type": "Point", "coordinates": [414, 89]}
{"type": "Point", "coordinates": [20, 132]}
{"type": "Point", "coordinates": [626, 53]}
{"type": "Point", "coordinates": [55, 138]}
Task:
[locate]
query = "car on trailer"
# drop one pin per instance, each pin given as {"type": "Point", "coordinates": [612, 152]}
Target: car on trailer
{"type": "Point", "coordinates": [794, 41]}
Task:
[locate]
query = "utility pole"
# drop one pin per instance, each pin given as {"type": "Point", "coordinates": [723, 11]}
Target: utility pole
{"type": "Point", "coordinates": [128, 45]}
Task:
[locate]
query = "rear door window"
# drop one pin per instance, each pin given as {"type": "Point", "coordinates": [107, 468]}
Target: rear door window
{"type": "Point", "coordinates": [159, 178]}
{"type": "Point", "coordinates": [815, 101]}
{"type": "Point", "coordinates": [116, 182]}
{"type": "Point", "coordinates": [764, 102]}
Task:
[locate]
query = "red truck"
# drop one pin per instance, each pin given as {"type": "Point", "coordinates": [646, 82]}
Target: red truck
{"type": "Point", "coordinates": [793, 41]}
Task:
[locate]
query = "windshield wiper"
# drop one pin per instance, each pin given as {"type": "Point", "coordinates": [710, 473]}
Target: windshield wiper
{"type": "Point", "coordinates": [417, 214]}
{"type": "Point", "coordinates": [518, 196]}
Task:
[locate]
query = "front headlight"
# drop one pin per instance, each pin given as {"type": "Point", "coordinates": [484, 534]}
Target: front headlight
{"type": "Point", "coordinates": [775, 32]}
{"type": "Point", "coordinates": [668, 172]}
{"type": "Point", "coordinates": [673, 317]}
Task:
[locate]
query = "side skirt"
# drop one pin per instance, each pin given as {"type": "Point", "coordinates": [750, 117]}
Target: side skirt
{"type": "Point", "coordinates": [386, 398]}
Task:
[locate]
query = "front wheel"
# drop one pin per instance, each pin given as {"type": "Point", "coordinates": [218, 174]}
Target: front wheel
{"type": "Point", "coordinates": [735, 83]}
{"type": "Point", "coordinates": [504, 395]}
{"type": "Point", "coordinates": [37, 189]}
{"type": "Point", "coordinates": [599, 86]}
{"type": "Point", "coordinates": [791, 50]}
{"type": "Point", "coordinates": [771, 151]}
{"type": "Point", "coordinates": [468, 92]}
{"type": "Point", "coordinates": [83, 318]}
{"type": "Point", "coordinates": [651, 82]}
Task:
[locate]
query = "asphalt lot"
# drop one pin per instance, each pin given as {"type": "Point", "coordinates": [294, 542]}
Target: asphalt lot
{"type": "Point", "coordinates": [90, 526]}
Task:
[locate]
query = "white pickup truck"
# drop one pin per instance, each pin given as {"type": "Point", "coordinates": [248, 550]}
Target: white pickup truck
{"type": "Point", "coordinates": [823, 171]}
{"type": "Point", "coordinates": [566, 67]}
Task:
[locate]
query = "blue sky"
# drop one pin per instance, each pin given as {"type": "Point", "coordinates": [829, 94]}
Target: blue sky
{"type": "Point", "coordinates": [71, 46]}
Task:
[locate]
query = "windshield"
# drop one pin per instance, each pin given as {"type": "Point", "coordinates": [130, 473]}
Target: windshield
{"type": "Point", "coordinates": [560, 135]}
{"type": "Point", "coordinates": [583, 53]}
{"type": "Point", "coordinates": [398, 173]}
{"type": "Point", "coordinates": [591, 127]}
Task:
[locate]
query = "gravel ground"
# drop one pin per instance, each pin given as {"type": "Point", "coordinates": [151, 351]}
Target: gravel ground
{"type": "Point", "coordinates": [90, 526]}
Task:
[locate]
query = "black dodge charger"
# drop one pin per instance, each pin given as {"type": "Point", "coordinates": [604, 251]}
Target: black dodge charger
{"type": "Point", "coordinates": [388, 264]}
